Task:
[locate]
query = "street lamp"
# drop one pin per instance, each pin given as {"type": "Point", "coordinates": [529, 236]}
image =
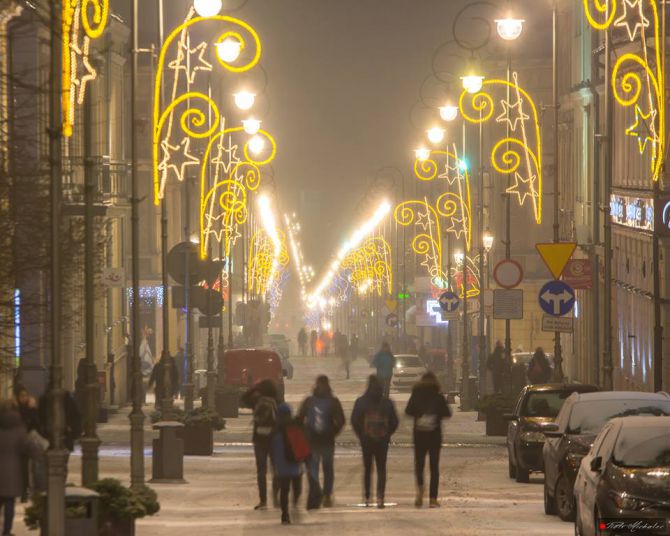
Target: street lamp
{"type": "Point", "coordinates": [256, 144]}
{"type": "Point", "coordinates": [422, 154]}
{"type": "Point", "coordinates": [472, 83]}
{"type": "Point", "coordinates": [229, 49]}
{"type": "Point", "coordinates": [487, 240]}
{"type": "Point", "coordinates": [251, 126]}
{"type": "Point", "coordinates": [435, 135]}
{"type": "Point", "coordinates": [207, 8]}
{"type": "Point", "coordinates": [509, 28]}
{"type": "Point", "coordinates": [448, 112]}
{"type": "Point", "coordinates": [244, 100]}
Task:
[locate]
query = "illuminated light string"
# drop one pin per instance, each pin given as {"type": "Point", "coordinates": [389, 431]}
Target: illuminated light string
{"type": "Point", "coordinates": [369, 266]}
{"type": "Point", "coordinates": [636, 81]}
{"type": "Point", "coordinates": [190, 106]}
{"type": "Point", "coordinates": [304, 272]}
{"type": "Point", "coordinates": [91, 16]}
{"type": "Point", "coordinates": [472, 277]}
{"type": "Point", "coordinates": [520, 154]}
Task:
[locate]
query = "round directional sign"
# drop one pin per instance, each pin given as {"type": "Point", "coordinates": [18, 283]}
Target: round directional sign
{"type": "Point", "coordinates": [557, 298]}
{"type": "Point", "coordinates": [449, 302]}
{"type": "Point", "coordinates": [392, 320]}
{"type": "Point", "coordinates": [508, 273]}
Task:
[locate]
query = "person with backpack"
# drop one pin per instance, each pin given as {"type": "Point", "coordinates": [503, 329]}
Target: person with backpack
{"type": "Point", "coordinates": [323, 419]}
{"type": "Point", "coordinates": [374, 420]}
{"type": "Point", "coordinates": [262, 398]}
{"type": "Point", "coordinates": [428, 407]}
{"type": "Point", "coordinates": [539, 368]}
{"type": "Point", "coordinates": [384, 362]}
{"type": "Point", "coordinates": [289, 450]}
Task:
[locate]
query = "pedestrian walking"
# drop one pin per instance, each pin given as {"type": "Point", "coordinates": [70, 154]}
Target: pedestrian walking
{"type": "Point", "coordinates": [302, 341]}
{"type": "Point", "coordinates": [374, 420]}
{"type": "Point", "coordinates": [323, 419]}
{"type": "Point", "coordinates": [263, 399]}
{"type": "Point", "coordinates": [354, 347]}
{"type": "Point", "coordinates": [313, 339]}
{"type": "Point", "coordinates": [160, 376]}
{"type": "Point", "coordinates": [33, 468]}
{"type": "Point", "coordinates": [14, 446]}
{"type": "Point", "coordinates": [428, 406]}
{"type": "Point", "coordinates": [289, 451]}
{"type": "Point", "coordinates": [539, 368]}
{"type": "Point", "coordinates": [384, 362]}
{"type": "Point", "coordinates": [496, 364]}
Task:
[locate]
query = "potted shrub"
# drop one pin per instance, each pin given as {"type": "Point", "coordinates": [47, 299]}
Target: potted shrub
{"type": "Point", "coordinates": [494, 407]}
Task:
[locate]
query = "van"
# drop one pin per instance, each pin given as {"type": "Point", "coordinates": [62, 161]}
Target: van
{"type": "Point", "coordinates": [246, 367]}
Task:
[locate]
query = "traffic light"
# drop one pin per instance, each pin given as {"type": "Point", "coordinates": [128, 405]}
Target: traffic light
{"type": "Point", "coordinates": [403, 295]}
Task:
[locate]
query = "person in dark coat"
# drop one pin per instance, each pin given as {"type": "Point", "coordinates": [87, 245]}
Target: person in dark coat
{"type": "Point", "coordinates": [539, 368]}
{"type": "Point", "coordinates": [496, 364]}
{"type": "Point", "coordinates": [14, 446]}
{"type": "Point", "coordinates": [288, 472]}
{"type": "Point", "coordinates": [263, 398]}
{"type": "Point", "coordinates": [374, 420]}
{"type": "Point", "coordinates": [313, 339]}
{"type": "Point", "coordinates": [73, 425]}
{"type": "Point", "coordinates": [428, 407]}
{"type": "Point", "coordinates": [323, 419]}
{"type": "Point", "coordinates": [159, 376]}
{"type": "Point", "coordinates": [384, 362]}
{"type": "Point", "coordinates": [26, 405]}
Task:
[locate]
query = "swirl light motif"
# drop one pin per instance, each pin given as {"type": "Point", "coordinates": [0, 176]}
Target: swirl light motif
{"type": "Point", "coordinates": [224, 207]}
{"type": "Point", "coordinates": [473, 277]}
{"type": "Point", "coordinates": [265, 261]}
{"type": "Point", "coordinates": [638, 78]}
{"type": "Point", "coordinates": [520, 153]}
{"type": "Point", "coordinates": [370, 266]}
{"type": "Point", "coordinates": [192, 108]}
{"type": "Point", "coordinates": [92, 17]}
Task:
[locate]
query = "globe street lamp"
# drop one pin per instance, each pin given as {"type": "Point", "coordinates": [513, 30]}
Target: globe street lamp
{"type": "Point", "coordinates": [251, 126]}
{"type": "Point", "coordinates": [207, 8]}
{"type": "Point", "coordinates": [229, 49]}
{"type": "Point", "coordinates": [472, 83]}
{"type": "Point", "coordinates": [487, 240]}
{"type": "Point", "coordinates": [435, 135]}
{"type": "Point", "coordinates": [244, 100]}
{"type": "Point", "coordinates": [509, 28]}
{"type": "Point", "coordinates": [448, 112]}
{"type": "Point", "coordinates": [422, 154]}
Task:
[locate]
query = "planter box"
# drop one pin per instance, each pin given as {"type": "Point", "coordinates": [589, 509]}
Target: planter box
{"type": "Point", "coordinates": [496, 425]}
{"type": "Point", "coordinates": [198, 439]}
{"type": "Point", "coordinates": [227, 403]}
{"type": "Point", "coordinates": [118, 527]}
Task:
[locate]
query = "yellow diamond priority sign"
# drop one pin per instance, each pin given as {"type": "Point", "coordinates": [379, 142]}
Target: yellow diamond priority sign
{"type": "Point", "coordinates": [556, 255]}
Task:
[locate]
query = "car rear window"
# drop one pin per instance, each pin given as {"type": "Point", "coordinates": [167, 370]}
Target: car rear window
{"type": "Point", "coordinates": [588, 417]}
{"type": "Point", "coordinates": [544, 403]}
{"type": "Point", "coordinates": [643, 447]}
{"type": "Point", "coordinates": [409, 361]}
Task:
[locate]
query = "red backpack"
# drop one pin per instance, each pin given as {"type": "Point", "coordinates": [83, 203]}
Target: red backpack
{"type": "Point", "coordinates": [297, 446]}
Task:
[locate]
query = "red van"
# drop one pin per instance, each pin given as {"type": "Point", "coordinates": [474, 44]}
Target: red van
{"type": "Point", "coordinates": [245, 367]}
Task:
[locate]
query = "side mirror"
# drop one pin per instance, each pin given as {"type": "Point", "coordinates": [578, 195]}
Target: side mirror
{"type": "Point", "coordinates": [596, 464]}
{"type": "Point", "coordinates": [509, 417]}
{"type": "Point", "coordinates": [550, 429]}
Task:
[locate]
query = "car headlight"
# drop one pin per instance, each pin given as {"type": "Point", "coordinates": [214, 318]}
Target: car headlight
{"type": "Point", "coordinates": [532, 437]}
{"type": "Point", "coordinates": [574, 460]}
{"type": "Point", "coordinates": [625, 501]}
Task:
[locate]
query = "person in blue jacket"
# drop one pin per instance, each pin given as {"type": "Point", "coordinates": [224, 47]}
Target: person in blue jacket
{"type": "Point", "coordinates": [374, 419]}
{"type": "Point", "coordinates": [384, 361]}
{"type": "Point", "coordinates": [289, 473]}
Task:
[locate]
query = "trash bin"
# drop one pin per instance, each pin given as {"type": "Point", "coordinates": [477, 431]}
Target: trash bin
{"type": "Point", "coordinates": [168, 454]}
{"type": "Point", "coordinates": [227, 401]}
{"type": "Point", "coordinates": [81, 512]}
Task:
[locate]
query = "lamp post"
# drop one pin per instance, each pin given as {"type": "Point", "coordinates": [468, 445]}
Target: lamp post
{"type": "Point", "coordinates": [462, 262]}
{"type": "Point", "coordinates": [487, 242]}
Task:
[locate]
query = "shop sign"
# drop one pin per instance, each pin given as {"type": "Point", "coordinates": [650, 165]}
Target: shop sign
{"type": "Point", "coordinates": [634, 212]}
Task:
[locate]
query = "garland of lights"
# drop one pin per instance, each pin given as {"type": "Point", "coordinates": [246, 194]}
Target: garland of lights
{"type": "Point", "coordinates": [266, 259]}
{"type": "Point", "coordinates": [92, 17]}
{"type": "Point", "coordinates": [192, 106]}
{"type": "Point", "coordinates": [520, 153]}
{"type": "Point", "coordinates": [369, 266]}
{"type": "Point", "coordinates": [636, 81]}
{"type": "Point", "coordinates": [472, 276]}
{"type": "Point", "coordinates": [305, 273]}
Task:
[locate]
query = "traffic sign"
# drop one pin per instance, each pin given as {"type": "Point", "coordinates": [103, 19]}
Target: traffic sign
{"type": "Point", "coordinates": [449, 301]}
{"type": "Point", "coordinates": [556, 255]}
{"type": "Point", "coordinates": [579, 273]}
{"type": "Point", "coordinates": [392, 320]}
{"type": "Point", "coordinates": [508, 273]}
{"type": "Point", "coordinates": [562, 324]}
{"type": "Point", "coordinates": [556, 298]}
{"type": "Point", "coordinates": [508, 304]}
{"type": "Point", "coordinates": [391, 305]}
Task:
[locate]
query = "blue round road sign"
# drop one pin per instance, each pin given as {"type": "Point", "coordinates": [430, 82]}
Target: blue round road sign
{"type": "Point", "coordinates": [557, 298]}
{"type": "Point", "coordinates": [449, 301]}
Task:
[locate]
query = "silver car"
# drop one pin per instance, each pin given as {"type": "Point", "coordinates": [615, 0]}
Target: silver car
{"type": "Point", "coordinates": [408, 370]}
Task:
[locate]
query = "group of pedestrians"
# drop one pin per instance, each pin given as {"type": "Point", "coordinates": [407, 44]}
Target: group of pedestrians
{"type": "Point", "coordinates": [306, 441]}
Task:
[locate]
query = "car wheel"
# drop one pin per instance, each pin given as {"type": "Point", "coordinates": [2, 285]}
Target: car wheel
{"type": "Point", "coordinates": [522, 475]}
{"type": "Point", "coordinates": [511, 467]}
{"type": "Point", "coordinates": [565, 500]}
{"type": "Point", "coordinates": [549, 502]}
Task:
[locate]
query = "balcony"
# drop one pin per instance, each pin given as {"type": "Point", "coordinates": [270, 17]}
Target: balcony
{"type": "Point", "coordinates": [112, 184]}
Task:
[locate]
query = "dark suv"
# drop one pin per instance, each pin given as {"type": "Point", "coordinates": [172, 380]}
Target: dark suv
{"type": "Point", "coordinates": [537, 405]}
{"type": "Point", "coordinates": [569, 439]}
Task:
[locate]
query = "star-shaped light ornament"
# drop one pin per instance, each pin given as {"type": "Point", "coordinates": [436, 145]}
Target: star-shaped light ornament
{"type": "Point", "coordinates": [457, 226]}
{"type": "Point", "coordinates": [226, 156]}
{"type": "Point", "coordinates": [424, 220]}
{"type": "Point", "coordinates": [640, 21]}
{"type": "Point", "coordinates": [81, 55]}
{"type": "Point", "coordinates": [512, 114]}
{"type": "Point", "coordinates": [522, 188]}
{"type": "Point", "coordinates": [430, 262]}
{"type": "Point", "coordinates": [643, 128]}
{"type": "Point", "coordinates": [187, 158]}
{"type": "Point", "coordinates": [190, 67]}
{"type": "Point", "coordinates": [451, 172]}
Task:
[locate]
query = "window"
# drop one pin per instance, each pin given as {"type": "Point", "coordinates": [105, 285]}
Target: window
{"type": "Point", "coordinates": [544, 403]}
{"type": "Point", "coordinates": [588, 417]}
{"type": "Point", "coordinates": [643, 447]}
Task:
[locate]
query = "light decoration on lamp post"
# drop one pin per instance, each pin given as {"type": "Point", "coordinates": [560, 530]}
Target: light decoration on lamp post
{"type": "Point", "coordinates": [91, 16]}
{"type": "Point", "coordinates": [472, 271]}
{"type": "Point", "coordinates": [268, 253]}
{"type": "Point", "coordinates": [182, 125]}
{"type": "Point", "coordinates": [370, 266]}
{"type": "Point", "coordinates": [519, 154]}
{"type": "Point", "coordinates": [305, 274]}
{"type": "Point", "coordinates": [638, 78]}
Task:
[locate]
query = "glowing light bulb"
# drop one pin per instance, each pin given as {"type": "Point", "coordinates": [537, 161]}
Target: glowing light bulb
{"type": "Point", "coordinates": [244, 100]}
{"type": "Point", "coordinates": [207, 8]}
{"type": "Point", "coordinates": [422, 154]}
{"type": "Point", "coordinates": [487, 240]}
{"type": "Point", "coordinates": [448, 112]}
{"type": "Point", "coordinates": [459, 257]}
{"type": "Point", "coordinates": [472, 83]}
{"type": "Point", "coordinates": [256, 144]}
{"type": "Point", "coordinates": [229, 49]}
{"type": "Point", "coordinates": [509, 28]}
{"type": "Point", "coordinates": [435, 135]}
{"type": "Point", "coordinates": [251, 127]}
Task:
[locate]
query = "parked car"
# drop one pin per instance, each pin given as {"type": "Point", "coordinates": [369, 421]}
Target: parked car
{"type": "Point", "coordinates": [408, 370]}
{"type": "Point", "coordinates": [246, 367]}
{"type": "Point", "coordinates": [536, 405]}
{"type": "Point", "coordinates": [519, 367]}
{"type": "Point", "coordinates": [625, 477]}
{"type": "Point", "coordinates": [569, 439]}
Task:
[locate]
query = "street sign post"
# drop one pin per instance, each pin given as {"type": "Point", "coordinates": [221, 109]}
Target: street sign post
{"type": "Point", "coordinates": [578, 273]}
{"type": "Point", "coordinates": [556, 255]}
{"type": "Point", "coordinates": [562, 324]}
{"type": "Point", "coordinates": [556, 298]}
{"type": "Point", "coordinates": [508, 304]}
{"type": "Point", "coordinates": [508, 273]}
{"type": "Point", "coordinates": [449, 302]}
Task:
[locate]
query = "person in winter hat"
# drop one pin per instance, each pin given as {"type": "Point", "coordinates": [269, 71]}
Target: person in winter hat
{"type": "Point", "coordinates": [288, 471]}
{"type": "Point", "coordinates": [374, 420]}
{"type": "Point", "coordinates": [428, 406]}
{"type": "Point", "coordinates": [323, 419]}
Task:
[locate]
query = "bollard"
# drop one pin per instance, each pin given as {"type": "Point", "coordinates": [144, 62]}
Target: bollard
{"type": "Point", "coordinates": [168, 454]}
